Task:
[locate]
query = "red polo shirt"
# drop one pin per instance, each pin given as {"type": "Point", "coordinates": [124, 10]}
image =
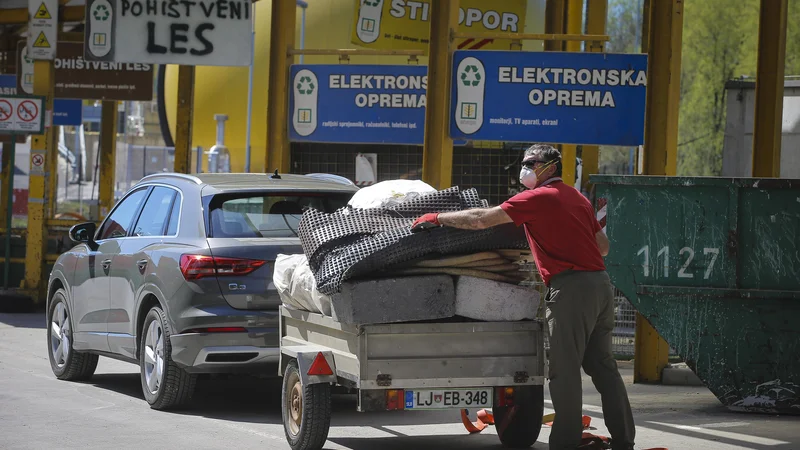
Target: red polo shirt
{"type": "Point", "coordinates": [560, 224]}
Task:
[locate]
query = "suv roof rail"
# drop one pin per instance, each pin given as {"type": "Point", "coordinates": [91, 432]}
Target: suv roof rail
{"type": "Point", "coordinates": [183, 176]}
{"type": "Point", "coordinates": [331, 177]}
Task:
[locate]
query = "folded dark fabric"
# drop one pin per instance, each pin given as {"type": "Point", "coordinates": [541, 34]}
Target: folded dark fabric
{"type": "Point", "coordinates": [352, 243]}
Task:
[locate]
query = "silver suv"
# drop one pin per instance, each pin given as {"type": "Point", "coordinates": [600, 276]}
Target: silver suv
{"type": "Point", "coordinates": [178, 278]}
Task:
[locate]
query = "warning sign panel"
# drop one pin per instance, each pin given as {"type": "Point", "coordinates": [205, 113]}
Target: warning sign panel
{"type": "Point", "coordinates": [42, 24]}
{"type": "Point", "coordinates": [41, 41]}
{"type": "Point", "coordinates": [43, 12]}
{"type": "Point", "coordinates": [21, 115]}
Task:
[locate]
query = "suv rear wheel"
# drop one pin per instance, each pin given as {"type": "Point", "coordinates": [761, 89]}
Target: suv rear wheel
{"type": "Point", "coordinates": [164, 384]}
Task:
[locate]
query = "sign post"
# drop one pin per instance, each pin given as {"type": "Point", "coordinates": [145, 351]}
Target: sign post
{"type": "Point", "coordinates": [557, 97]}
{"type": "Point", "coordinates": [17, 114]}
{"type": "Point", "coordinates": [9, 214]}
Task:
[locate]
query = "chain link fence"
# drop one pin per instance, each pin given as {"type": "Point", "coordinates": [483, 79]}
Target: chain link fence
{"type": "Point", "coordinates": [622, 339]}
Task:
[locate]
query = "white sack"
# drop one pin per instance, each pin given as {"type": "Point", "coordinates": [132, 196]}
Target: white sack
{"type": "Point", "coordinates": [304, 290]}
{"type": "Point", "coordinates": [387, 193]}
{"type": "Point", "coordinates": [297, 286]}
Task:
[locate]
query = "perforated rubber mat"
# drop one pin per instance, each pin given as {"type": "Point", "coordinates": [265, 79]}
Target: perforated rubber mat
{"type": "Point", "coordinates": [352, 243]}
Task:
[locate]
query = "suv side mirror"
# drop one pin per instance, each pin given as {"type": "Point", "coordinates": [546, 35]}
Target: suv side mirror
{"type": "Point", "coordinates": [84, 232]}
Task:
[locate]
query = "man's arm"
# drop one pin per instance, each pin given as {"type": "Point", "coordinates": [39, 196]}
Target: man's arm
{"type": "Point", "coordinates": [602, 242]}
{"type": "Point", "coordinates": [475, 219]}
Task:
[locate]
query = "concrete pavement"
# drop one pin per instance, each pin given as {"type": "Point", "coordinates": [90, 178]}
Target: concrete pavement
{"type": "Point", "coordinates": [38, 411]}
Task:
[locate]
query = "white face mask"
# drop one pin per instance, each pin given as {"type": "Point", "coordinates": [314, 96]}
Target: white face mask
{"type": "Point", "coordinates": [527, 177]}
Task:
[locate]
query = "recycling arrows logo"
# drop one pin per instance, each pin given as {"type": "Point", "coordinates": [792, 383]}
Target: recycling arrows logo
{"type": "Point", "coordinates": [471, 76]}
{"type": "Point", "coordinates": [305, 86]}
{"type": "Point", "coordinates": [101, 13]}
{"type": "Point", "coordinates": [372, 3]}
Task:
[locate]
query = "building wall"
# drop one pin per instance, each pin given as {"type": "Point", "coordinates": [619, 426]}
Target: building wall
{"type": "Point", "coordinates": [223, 90]}
{"type": "Point", "coordinates": [737, 150]}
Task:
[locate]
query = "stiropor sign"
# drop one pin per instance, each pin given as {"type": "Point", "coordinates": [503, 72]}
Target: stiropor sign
{"type": "Point", "coordinates": [405, 24]}
{"type": "Point", "coordinates": [197, 32]}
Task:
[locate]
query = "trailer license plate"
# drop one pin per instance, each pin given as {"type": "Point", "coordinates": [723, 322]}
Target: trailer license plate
{"type": "Point", "coordinates": [449, 398]}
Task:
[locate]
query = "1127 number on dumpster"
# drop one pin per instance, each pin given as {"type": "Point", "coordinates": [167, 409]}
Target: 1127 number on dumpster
{"type": "Point", "coordinates": [711, 254]}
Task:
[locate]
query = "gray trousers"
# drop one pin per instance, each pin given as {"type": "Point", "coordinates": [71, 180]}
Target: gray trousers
{"type": "Point", "coordinates": [580, 315]}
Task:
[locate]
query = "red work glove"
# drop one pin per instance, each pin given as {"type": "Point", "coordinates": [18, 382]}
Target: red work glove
{"type": "Point", "coordinates": [426, 221]}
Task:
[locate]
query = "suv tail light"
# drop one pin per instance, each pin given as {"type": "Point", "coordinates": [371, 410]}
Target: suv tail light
{"type": "Point", "coordinates": [195, 267]}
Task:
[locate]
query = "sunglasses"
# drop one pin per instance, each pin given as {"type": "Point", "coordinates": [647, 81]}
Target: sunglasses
{"type": "Point", "coordinates": [532, 162]}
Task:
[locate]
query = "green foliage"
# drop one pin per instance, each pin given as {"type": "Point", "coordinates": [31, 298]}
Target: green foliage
{"type": "Point", "coordinates": [715, 40]}
{"type": "Point", "coordinates": [720, 43]}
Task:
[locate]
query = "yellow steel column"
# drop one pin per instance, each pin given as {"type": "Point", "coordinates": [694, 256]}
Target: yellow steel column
{"type": "Point", "coordinates": [574, 21]}
{"type": "Point", "coordinates": [663, 84]}
{"type": "Point", "coordinates": [574, 25]}
{"type": "Point", "coordinates": [437, 157]}
{"type": "Point", "coordinates": [282, 32]}
{"type": "Point", "coordinates": [597, 13]}
{"type": "Point", "coordinates": [554, 23]}
{"type": "Point", "coordinates": [183, 123]}
{"type": "Point", "coordinates": [35, 245]}
{"type": "Point", "coordinates": [769, 88]}
{"type": "Point", "coordinates": [660, 148]}
{"type": "Point", "coordinates": [108, 157]}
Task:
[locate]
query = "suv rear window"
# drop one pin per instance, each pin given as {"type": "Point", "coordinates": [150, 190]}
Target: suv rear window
{"type": "Point", "coordinates": [267, 215]}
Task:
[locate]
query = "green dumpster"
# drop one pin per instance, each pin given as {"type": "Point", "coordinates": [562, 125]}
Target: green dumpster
{"type": "Point", "coordinates": [714, 265]}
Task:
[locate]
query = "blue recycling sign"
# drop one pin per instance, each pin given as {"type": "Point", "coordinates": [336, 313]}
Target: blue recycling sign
{"type": "Point", "coordinates": [358, 104]}
{"type": "Point", "coordinates": [555, 97]}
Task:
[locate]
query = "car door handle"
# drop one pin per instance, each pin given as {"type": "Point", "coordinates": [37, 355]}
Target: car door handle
{"type": "Point", "coordinates": [142, 263]}
{"type": "Point", "coordinates": [106, 264]}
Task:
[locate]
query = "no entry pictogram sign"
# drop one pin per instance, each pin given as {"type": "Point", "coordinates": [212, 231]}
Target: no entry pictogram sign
{"type": "Point", "coordinates": [6, 115]}
{"type": "Point", "coordinates": [27, 111]}
{"type": "Point", "coordinates": [6, 110]}
{"type": "Point", "coordinates": [21, 114]}
{"type": "Point", "coordinates": [37, 162]}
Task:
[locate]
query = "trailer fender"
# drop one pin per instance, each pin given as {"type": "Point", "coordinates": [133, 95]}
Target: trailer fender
{"type": "Point", "coordinates": [310, 357]}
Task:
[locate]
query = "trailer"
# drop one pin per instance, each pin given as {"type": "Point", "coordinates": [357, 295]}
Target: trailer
{"type": "Point", "coordinates": [413, 366]}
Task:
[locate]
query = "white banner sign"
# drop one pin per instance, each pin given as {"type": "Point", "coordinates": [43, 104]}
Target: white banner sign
{"type": "Point", "coordinates": [192, 33]}
{"type": "Point", "coordinates": [21, 114]}
{"type": "Point", "coordinates": [42, 30]}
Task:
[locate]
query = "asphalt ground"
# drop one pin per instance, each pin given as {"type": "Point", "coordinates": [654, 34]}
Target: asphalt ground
{"type": "Point", "coordinates": [37, 411]}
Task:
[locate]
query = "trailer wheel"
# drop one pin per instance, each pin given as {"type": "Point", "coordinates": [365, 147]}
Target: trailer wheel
{"type": "Point", "coordinates": [306, 411]}
{"type": "Point", "coordinates": [518, 426]}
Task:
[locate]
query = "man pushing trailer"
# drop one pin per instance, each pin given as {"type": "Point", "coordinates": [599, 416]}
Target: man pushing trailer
{"type": "Point", "coordinates": [568, 245]}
